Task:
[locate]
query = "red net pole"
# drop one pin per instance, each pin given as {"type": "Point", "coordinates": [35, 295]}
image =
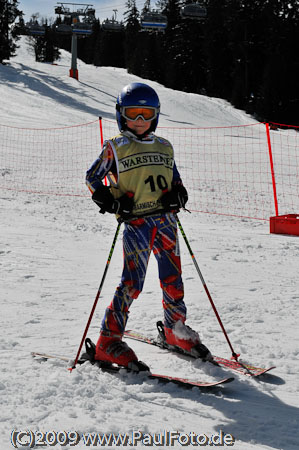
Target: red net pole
{"type": "Point", "coordinates": [272, 168]}
{"type": "Point", "coordinates": [101, 131]}
{"type": "Point", "coordinates": [102, 143]}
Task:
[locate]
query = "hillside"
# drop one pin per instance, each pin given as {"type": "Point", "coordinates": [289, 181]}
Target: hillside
{"type": "Point", "coordinates": [53, 253]}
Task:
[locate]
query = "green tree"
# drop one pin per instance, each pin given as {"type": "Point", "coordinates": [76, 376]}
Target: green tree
{"type": "Point", "coordinates": [277, 97]}
{"type": "Point", "coordinates": [45, 46]}
{"type": "Point", "coordinates": [87, 44]}
{"type": "Point", "coordinates": [133, 49]}
{"type": "Point", "coordinates": [173, 47]}
{"type": "Point", "coordinates": [8, 36]}
{"type": "Point", "coordinates": [109, 50]}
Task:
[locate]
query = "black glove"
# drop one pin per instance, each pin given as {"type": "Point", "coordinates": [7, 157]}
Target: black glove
{"type": "Point", "coordinates": [123, 205]}
{"type": "Point", "coordinates": [107, 203]}
{"type": "Point", "coordinates": [175, 199]}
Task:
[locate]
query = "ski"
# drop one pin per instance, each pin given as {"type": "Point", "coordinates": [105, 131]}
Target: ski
{"type": "Point", "coordinates": [112, 368]}
{"type": "Point", "coordinates": [236, 366]}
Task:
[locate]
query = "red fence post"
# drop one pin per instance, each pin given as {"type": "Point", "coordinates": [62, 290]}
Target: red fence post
{"type": "Point", "coordinates": [272, 168]}
{"type": "Point", "coordinates": [101, 131]}
{"type": "Point", "coordinates": [102, 142]}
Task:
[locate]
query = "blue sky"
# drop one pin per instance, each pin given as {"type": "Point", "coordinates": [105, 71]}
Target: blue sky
{"type": "Point", "coordinates": [104, 8]}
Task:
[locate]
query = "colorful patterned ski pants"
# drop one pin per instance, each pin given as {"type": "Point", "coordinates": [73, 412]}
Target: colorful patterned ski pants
{"type": "Point", "coordinates": [158, 234]}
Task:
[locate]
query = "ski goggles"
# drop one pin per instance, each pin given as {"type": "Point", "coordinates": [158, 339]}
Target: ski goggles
{"type": "Point", "coordinates": [134, 112]}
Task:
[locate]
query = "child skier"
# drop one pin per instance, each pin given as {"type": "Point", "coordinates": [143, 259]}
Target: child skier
{"type": "Point", "coordinates": [145, 189]}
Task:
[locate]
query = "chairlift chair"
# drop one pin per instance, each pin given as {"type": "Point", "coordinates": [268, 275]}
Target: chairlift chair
{"type": "Point", "coordinates": [63, 28]}
{"type": "Point", "coordinates": [112, 25]}
{"type": "Point", "coordinates": [36, 30]}
{"type": "Point", "coordinates": [195, 11]}
{"type": "Point", "coordinates": [81, 28]}
{"type": "Point", "coordinates": [153, 21]}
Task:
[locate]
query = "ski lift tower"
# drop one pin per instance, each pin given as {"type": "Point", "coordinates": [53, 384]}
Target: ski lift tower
{"type": "Point", "coordinates": [83, 28]}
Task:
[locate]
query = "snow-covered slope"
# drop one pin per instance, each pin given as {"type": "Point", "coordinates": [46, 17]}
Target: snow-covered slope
{"type": "Point", "coordinates": [34, 94]}
{"type": "Point", "coordinates": [53, 252]}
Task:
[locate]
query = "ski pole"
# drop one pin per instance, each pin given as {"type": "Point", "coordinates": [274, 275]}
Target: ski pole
{"type": "Point", "coordinates": [234, 355]}
{"type": "Point", "coordinates": [98, 295]}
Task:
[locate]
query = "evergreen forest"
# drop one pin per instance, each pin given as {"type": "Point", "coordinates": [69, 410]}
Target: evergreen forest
{"type": "Point", "coordinates": [244, 51]}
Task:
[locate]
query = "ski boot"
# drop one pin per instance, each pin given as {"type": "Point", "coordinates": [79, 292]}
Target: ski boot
{"type": "Point", "coordinates": [110, 349]}
{"type": "Point", "coordinates": [183, 338]}
{"type": "Point", "coordinates": [110, 363]}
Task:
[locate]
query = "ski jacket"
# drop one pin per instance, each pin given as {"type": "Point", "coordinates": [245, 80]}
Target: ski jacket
{"type": "Point", "coordinates": [145, 167]}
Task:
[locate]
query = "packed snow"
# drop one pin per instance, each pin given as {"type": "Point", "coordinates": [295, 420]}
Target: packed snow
{"type": "Point", "coordinates": [53, 253]}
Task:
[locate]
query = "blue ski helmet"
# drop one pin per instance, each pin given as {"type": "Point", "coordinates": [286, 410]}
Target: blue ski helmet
{"type": "Point", "coordinates": [140, 95]}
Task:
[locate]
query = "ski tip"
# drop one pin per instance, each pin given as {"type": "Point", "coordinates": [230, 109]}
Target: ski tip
{"type": "Point", "coordinates": [227, 380]}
